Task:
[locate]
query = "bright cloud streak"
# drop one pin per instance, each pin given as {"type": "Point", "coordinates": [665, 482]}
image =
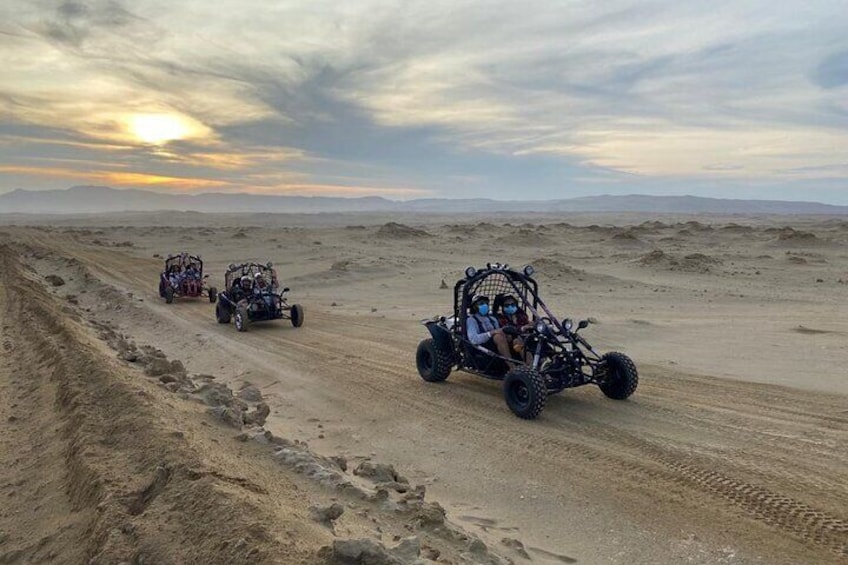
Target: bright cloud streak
{"type": "Point", "coordinates": [460, 98]}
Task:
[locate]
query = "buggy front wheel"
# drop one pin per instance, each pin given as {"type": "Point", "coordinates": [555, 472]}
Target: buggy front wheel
{"type": "Point", "coordinates": [525, 392]}
{"type": "Point", "coordinates": [620, 378]}
{"type": "Point", "coordinates": [222, 313]}
{"type": "Point", "coordinates": [434, 364]}
{"type": "Point", "coordinates": [213, 294]}
{"type": "Point", "coordinates": [169, 294]}
{"type": "Point", "coordinates": [297, 315]}
{"type": "Point", "coordinates": [241, 319]}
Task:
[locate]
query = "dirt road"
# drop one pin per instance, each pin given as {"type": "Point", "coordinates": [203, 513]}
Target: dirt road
{"type": "Point", "coordinates": [691, 469]}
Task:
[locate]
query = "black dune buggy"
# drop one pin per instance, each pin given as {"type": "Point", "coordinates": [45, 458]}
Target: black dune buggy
{"type": "Point", "coordinates": [252, 294]}
{"type": "Point", "coordinates": [183, 276]}
{"type": "Point", "coordinates": [555, 357]}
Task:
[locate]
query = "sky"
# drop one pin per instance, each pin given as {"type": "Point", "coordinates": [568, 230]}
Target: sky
{"type": "Point", "coordinates": [439, 98]}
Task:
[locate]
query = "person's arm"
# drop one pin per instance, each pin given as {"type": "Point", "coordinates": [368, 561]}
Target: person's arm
{"type": "Point", "coordinates": [475, 336]}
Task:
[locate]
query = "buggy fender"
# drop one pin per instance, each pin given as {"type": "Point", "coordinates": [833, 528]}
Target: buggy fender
{"type": "Point", "coordinates": [441, 336]}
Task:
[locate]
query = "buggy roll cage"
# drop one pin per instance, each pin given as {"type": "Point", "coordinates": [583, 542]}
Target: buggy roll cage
{"type": "Point", "coordinates": [238, 271]}
{"type": "Point", "coordinates": [498, 279]}
{"type": "Point", "coordinates": [183, 260]}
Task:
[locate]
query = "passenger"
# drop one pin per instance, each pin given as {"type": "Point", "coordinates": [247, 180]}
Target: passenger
{"type": "Point", "coordinates": [275, 283]}
{"type": "Point", "coordinates": [192, 272]}
{"type": "Point", "coordinates": [260, 285]}
{"type": "Point", "coordinates": [484, 329]}
{"type": "Point", "coordinates": [509, 314]}
{"type": "Point", "coordinates": [262, 289]}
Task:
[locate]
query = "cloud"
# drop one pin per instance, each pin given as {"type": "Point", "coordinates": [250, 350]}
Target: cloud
{"type": "Point", "coordinates": [832, 72]}
{"type": "Point", "coordinates": [456, 98]}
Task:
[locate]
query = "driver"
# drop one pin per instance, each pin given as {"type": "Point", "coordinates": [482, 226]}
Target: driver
{"type": "Point", "coordinates": [175, 276]}
{"type": "Point", "coordinates": [484, 329]}
{"type": "Point", "coordinates": [241, 288]}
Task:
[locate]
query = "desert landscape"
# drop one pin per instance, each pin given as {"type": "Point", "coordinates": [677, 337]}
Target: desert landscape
{"type": "Point", "coordinates": [141, 432]}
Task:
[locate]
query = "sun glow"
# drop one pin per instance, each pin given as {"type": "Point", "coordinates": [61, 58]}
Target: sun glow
{"type": "Point", "coordinates": [159, 129]}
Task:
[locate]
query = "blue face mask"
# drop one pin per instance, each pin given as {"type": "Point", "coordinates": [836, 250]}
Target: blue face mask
{"type": "Point", "coordinates": [483, 309]}
{"type": "Point", "coordinates": [510, 310]}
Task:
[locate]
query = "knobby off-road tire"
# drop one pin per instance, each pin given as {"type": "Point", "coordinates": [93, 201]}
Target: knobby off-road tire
{"type": "Point", "coordinates": [434, 365]}
{"type": "Point", "coordinates": [162, 289]}
{"type": "Point", "coordinates": [621, 378]}
{"type": "Point", "coordinates": [213, 294]}
{"type": "Point", "coordinates": [297, 315]}
{"type": "Point", "coordinates": [222, 313]}
{"type": "Point", "coordinates": [169, 295]}
{"type": "Point", "coordinates": [241, 319]}
{"type": "Point", "coordinates": [525, 392]}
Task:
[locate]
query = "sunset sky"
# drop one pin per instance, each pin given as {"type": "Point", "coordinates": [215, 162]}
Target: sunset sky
{"type": "Point", "coordinates": [508, 100]}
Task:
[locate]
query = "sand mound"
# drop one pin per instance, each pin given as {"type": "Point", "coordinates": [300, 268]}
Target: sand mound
{"type": "Point", "coordinates": [395, 230]}
{"type": "Point", "coordinates": [629, 236]}
{"type": "Point", "coordinates": [524, 237]}
{"type": "Point", "coordinates": [694, 263]}
{"type": "Point", "coordinates": [655, 257]}
{"type": "Point", "coordinates": [655, 225]}
{"type": "Point", "coordinates": [553, 267]}
{"type": "Point", "coordinates": [795, 237]}
{"type": "Point", "coordinates": [736, 228]}
{"type": "Point", "coordinates": [699, 262]}
{"type": "Point", "coordinates": [461, 229]}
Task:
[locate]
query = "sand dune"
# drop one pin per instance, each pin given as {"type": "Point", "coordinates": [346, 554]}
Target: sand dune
{"type": "Point", "coordinates": [144, 432]}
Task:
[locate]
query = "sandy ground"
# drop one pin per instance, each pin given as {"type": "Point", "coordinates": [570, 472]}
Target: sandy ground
{"type": "Point", "coordinates": [732, 450]}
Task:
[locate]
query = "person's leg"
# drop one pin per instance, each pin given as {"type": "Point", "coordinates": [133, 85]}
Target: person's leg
{"type": "Point", "coordinates": [503, 347]}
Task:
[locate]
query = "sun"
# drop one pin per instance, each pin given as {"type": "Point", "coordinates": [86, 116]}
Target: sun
{"type": "Point", "coordinates": [159, 129]}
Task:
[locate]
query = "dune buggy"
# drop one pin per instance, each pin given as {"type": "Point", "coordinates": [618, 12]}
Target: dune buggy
{"type": "Point", "coordinates": [252, 294]}
{"type": "Point", "coordinates": [554, 355]}
{"type": "Point", "coordinates": [183, 277]}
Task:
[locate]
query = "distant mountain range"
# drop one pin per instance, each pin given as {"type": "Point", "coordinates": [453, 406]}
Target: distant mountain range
{"type": "Point", "coordinates": [103, 199]}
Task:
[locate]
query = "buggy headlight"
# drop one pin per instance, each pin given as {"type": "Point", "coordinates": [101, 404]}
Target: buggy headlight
{"type": "Point", "coordinates": [540, 326]}
{"type": "Point", "coordinates": [567, 325]}
{"type": "Point", "coordinates": [529, 270]}
{"type": "Point", "coordinates": [470, 272]}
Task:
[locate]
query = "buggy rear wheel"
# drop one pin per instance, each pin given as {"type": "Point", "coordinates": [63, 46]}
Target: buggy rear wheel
{"type": "Point", "coordinates": [620, 378]}
{"type": "Point", "coordinates": [169, 294]}
{"type": "Point", "coordinates": [434, 365]}
{"type": "Point", "coordinates": [222, 313]}
{"type": "Point", "coordinates": [525, 392]}
{"type": "Point", "coordinates": [241, 318]}
{"type": "Point", "coordinates": [297, 315]}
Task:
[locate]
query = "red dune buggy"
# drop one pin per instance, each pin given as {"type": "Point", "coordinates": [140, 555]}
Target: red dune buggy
{"type": "Point", "coordinates": [183, 277]}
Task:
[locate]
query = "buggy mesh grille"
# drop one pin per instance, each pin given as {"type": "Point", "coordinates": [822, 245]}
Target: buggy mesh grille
{"type": "Point", "coordinates": [496, 286]}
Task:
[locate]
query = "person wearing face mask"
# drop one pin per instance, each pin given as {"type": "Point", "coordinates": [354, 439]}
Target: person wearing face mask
{"type": "Point", "coordinates": [483, 328]}
{"type": "Point", "coordinates": [510, 314]}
